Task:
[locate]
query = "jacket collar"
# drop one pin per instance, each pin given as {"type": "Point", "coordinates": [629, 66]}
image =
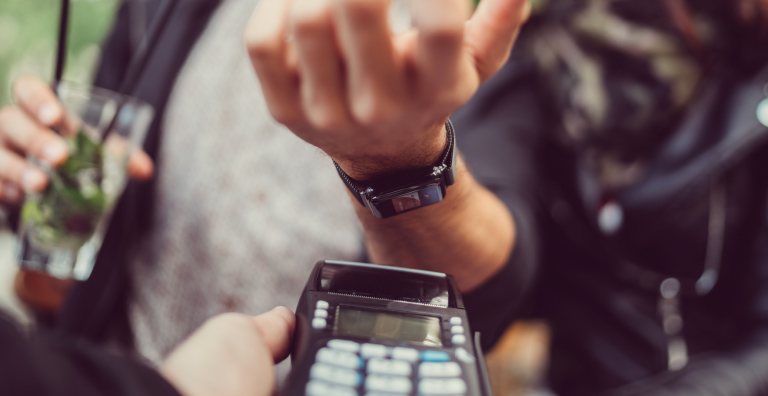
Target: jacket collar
{"type": "Point", "coordinates": [720, 130]}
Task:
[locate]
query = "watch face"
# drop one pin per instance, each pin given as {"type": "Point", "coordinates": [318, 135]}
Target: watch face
{"type": "Point", "coordinates": [409, 200]}
{"type": "Point", "coordinates": [406, 202]}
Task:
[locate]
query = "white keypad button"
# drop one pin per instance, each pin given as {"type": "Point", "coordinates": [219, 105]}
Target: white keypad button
{"type": "Point", "coordinates": [451, 386]}
{"type": "Point", "coordinates": [455, 320]}
{"type": "Point", "coordinates": [447, 369]}
{"type": "Point", "coordinates": [386, 383]}
{"type": "Point", "coordinates": [339, 358]}
{"type": "Point", "coordinates": [389, 367]}
{"type": "Point", "coordinates": [319, 323]}
{"type": "Point", "coordinates": [458, 339]}
{"type": "Point", "coordinates": [464, 356]}
{"type": "Point", "coordinates": [337, 375]}
{"type": "Point", "coordinates": [454, 329]}
{"type": "Point", "coordinates": [384, 394]}
{"type": "Point", "coordinates": [407, 354]}
{"type": "Point", "coordinates": [368, 351]}
{"type": "Point", "coordinates": [317, 388]}
{"type": "Point", "coordinates": [322, 304]}
{"type": "Point", "coordinates": [321, 313]}
{"type": "Point", "coordinates": [344, 345]}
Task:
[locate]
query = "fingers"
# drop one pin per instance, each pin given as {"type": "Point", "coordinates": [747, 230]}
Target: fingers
{"type": "Point", "coordinates": [375, 78]}
{"type": "Point", "coordinates": [10, 192]}
{"type": "Point", "coordinates": [322, 87]}
{"type": "Point", "coordinates": [265, 38]}
{"type": "Point", "coordinates": [18, 132]}
{"type": "Point", "coordinates": [18, 172]}
{"type": "Point", "coordinates": [492, 31]}
{"type": "Point", "coordinates": [37, 99]}
{"type": "Point", "coordinates": [440, 48]}
{"type": "Point", "coordinates": [140, 166]}
{"type": "Point", "coordinates": [21, 132]}
{"type": "Point", "coordinates": [276, 329]}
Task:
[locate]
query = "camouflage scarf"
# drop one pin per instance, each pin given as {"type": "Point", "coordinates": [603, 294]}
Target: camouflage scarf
{"type": "Point", "coordinates": [622, 72]}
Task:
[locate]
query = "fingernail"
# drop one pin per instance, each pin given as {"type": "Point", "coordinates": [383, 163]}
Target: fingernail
{"type": "Point", "coordinates": [32, 179]}
{"type": "Point", "coordinates": [54, 151]}
{"type": "Point", "coordinates": [11, 192]}
{"type": "Point", "coordinates": [48, 113]}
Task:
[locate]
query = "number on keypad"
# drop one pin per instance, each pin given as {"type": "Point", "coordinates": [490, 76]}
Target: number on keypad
{"type": "Point", "coordinates": [388, 383]}
{"type": "Point", "coordinates": [339, 358]}
{"type": "Point", "coordinates": [388, 367]}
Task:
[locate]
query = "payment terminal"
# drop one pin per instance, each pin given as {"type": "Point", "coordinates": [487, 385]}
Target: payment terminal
{"type": "Point", "coordinates": [371, 330]}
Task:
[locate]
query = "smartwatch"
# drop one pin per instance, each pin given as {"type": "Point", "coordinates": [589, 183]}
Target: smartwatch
{"type": "Point", "coordinates": [408, 190]}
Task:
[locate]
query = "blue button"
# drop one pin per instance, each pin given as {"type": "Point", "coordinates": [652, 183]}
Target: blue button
{"type": "Point", "coordinates": [435, 356]}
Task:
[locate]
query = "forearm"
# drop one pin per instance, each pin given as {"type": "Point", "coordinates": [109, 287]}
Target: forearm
{"type": "Point", "coordinates": [470, 234]}
{"type": "Point", "coordinates": [376, 102]}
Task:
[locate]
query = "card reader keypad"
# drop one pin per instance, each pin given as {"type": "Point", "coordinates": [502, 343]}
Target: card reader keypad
{"type": "Point", "coordinates": [348, 368]}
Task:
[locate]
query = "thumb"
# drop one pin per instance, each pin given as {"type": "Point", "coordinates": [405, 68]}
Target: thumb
{"type": "Point", "coordinates": [492, 31]}
{"type": "Point", "coordinates": [276, 330]}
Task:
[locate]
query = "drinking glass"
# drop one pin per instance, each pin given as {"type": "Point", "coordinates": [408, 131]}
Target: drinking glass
{"type": "Point", "coordinates": [63, 226]}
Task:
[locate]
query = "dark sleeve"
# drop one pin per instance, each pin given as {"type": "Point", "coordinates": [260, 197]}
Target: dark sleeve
{"type": "Point", "coordinates": [498, 134]}
{"type": "Point", "coordinates": [60, 367]}
{"type": "Point", "coordinates": [741, 371]}
{"type": "Point", "coordinates": [116, 51]}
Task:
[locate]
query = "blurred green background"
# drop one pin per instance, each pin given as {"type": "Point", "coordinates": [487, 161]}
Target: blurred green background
{"type": "Point", "coordinates": [28, 30]}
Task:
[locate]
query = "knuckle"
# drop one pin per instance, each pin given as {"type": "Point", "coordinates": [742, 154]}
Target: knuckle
{"type": "Point", "coordinates": [36, 141]}
{"type": "Point", "coordinates": [487, 66]}
{"type": "Point", "coordinates": [263, 47]}
{"type": "Point", "coordinates": [7, 115]}
{"type": "Point", "coordinates": [443, 44]}
{"type": "Point", "coordinates": [370, 110]}
{"type": "Point", "coordinates": [11, 165]}
{"type": "Point", "coordinates": [19, 85]}
{"type": "Point", "coordinates": [444, 35]}
{"type": "Point", "coordinates": [27, 88]}
{"type": "Point", "coordinates": [362, 11]}
{"type": "Point", "coordinates": [284, 115]}
{"type": "Point", "coordinates": [307, 21]}
{"type": "Point", "coordinates": [325, 119]}
{"type": "Point", "coordinates": [451, 98]}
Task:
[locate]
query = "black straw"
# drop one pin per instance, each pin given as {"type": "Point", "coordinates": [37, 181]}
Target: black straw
{"type": "Point", "coordinates": [61, 49]}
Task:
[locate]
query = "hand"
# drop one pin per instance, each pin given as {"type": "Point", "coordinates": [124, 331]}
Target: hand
{"type": "Point", "coordinates": [26, 129]}
{"type": "Point", "coordinates": [231, 355]}
{"type": "Point", "coordinates": [376, 102]}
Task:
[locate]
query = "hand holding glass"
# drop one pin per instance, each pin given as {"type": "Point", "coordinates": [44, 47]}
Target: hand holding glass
{"type": "Point", "coordinates": [63, 226]}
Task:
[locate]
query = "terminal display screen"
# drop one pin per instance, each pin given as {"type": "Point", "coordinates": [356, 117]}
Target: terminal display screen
{"type": "Point", "coordinates": [388, 326]}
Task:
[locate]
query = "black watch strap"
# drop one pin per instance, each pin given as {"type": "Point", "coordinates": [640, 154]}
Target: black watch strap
{"type": "Point", "coordinates": [446, 167]}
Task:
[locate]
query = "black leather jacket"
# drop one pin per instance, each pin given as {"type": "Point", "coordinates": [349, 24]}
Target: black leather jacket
{"type": "Point", "coordinates": [700, 206]}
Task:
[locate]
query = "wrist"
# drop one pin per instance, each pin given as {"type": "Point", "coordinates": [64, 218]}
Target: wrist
{"type": "Point", "coordinates": [377, 164]}
{"type": "Point", "coordinates": [408, 189]}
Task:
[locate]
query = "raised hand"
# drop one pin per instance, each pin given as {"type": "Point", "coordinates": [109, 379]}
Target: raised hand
{"type": "Point", "coordinates": [333, 72]}
{"type": "Point", "coordinates": [26, 129]}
